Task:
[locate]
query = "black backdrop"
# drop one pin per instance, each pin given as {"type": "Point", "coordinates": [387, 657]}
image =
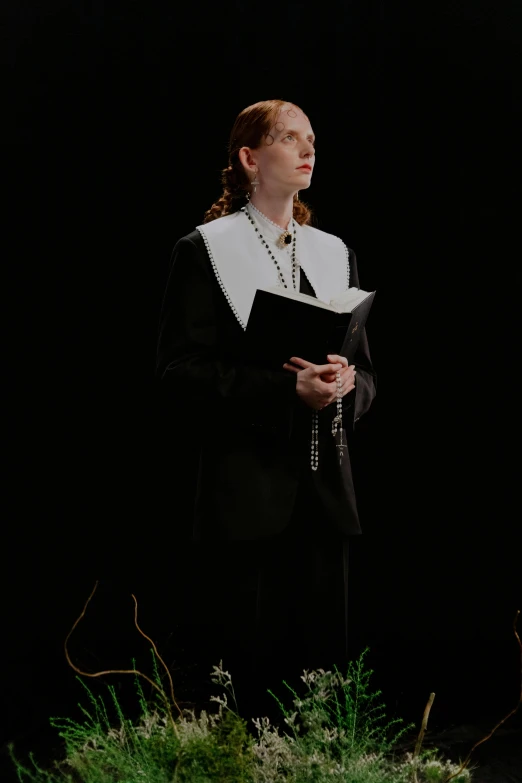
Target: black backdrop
{"type": "Point", "coordinates": [115, 132]}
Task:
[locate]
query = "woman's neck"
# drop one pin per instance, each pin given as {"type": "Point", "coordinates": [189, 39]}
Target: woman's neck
{"type": "Point", "coordinates": [278, 210]}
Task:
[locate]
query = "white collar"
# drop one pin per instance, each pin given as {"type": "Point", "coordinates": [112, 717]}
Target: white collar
{"type": "Point", "coordinates": [242, 264]}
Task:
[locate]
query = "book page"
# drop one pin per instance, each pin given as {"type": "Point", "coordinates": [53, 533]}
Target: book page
{"type": "Point", "coordinates": [299, 297]}
{"type": "Point", "coordinates": [345, 302]}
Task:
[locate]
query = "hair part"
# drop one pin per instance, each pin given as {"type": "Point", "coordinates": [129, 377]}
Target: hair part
{"type": "Point", "coordinates": [251, 128]}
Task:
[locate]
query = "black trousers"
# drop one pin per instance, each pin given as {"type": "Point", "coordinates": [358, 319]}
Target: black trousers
{"type": "Point", "coordinates": [273, 607]}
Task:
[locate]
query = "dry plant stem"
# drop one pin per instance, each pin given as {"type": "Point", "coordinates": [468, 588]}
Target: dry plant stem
{"type": "Point", "coordinates": [422, 731]}
{"type": "Point", "coordinates": [124, 671]}
{"type": "Point", "coordinates": [424, 725]}
{"type": "Point", "coordinates": [156, 652]}
{"type": "Point", "coordinates": [513, 711]}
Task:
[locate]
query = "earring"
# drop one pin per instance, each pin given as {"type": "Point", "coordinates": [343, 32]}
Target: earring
{"type": "Point", "coordinates": [255, 182]}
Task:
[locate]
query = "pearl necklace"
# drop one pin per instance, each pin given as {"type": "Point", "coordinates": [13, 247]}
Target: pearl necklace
{"type": "Point", "coordinates": [272, 256]}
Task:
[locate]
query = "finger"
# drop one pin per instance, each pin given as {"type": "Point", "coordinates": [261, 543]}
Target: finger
{"type": "Point", "coordinates": [332, 377]}
{"type": "Point", "coordinates": [347, 373]}
{"type": "Point", "coordinates": [327, 369]}
{"type": "Point", "coordinates": [291, 368]}
{"type": "Point", "coordinates": [336, 359]}
{"type": "Point", "coordinates": [300, 362]}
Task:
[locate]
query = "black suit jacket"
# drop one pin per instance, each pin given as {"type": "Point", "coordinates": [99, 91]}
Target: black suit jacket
{"type": "Point", "coordinates": [254, 430]}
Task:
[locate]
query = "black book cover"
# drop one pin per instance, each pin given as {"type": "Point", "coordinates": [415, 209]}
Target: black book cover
{"type": "Point", "coordinates": [280, 327]}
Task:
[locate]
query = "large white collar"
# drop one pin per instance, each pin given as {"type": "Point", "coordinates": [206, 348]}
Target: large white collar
{"type": "Point", "coordinates": [242, 264]}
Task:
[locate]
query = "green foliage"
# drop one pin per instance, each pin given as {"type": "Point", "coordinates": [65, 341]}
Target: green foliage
{"type": "Point", "coordinates": [225, 755]}
{"type": "Point", "coordinates": [347, 706]}
{"type": "Point", "coordinates": [338, 732]}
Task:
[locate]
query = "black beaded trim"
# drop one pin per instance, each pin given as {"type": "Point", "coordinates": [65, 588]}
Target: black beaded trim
{"type": "Point", "coordinates": [272, 256]}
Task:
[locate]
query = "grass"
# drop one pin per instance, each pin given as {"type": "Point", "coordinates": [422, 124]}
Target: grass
{"type": "Point", "coordinates": [336, 730]}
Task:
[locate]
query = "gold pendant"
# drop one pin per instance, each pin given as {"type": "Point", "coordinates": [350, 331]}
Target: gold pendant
{"type": "Point", "coordinates": [284, 239]}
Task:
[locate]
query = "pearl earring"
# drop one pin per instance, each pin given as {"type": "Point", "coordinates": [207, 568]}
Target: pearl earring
{"type": "Point", "coordinates": [255, 182]}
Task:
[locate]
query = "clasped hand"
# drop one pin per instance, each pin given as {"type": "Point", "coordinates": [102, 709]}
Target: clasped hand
{"type": "Point", "coordinates": [317, 384]}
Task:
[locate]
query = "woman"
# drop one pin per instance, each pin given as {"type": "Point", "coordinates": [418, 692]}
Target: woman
{"type": "Point", "coordinates": [269, 474]}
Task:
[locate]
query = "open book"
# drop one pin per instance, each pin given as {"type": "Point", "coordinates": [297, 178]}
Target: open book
{"type": "Point", "coordinates": [285, 323]}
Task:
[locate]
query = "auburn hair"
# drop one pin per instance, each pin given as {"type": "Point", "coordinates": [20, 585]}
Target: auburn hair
{"type": "Point", "coordinates": [251, 128]}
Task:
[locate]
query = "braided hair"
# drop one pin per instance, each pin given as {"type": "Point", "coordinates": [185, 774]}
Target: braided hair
{"type": "Point", "coordinates": [251, 127]}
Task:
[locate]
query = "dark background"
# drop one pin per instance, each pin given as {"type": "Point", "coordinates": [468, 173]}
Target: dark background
{"type": "Point", "coordinates": [115, 132]}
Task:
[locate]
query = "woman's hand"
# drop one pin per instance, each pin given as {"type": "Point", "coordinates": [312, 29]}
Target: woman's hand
{"type": "Point", "coordinates": [316, 383]}
{"type": "Point", "coordinates": [348, 373]}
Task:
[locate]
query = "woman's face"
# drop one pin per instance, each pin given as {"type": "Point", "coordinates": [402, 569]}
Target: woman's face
{"type": "Point", "coordinates": [285, 160]}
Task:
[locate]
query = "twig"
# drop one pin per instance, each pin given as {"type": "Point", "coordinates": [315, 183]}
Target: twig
{"type": "Point", "coordinates": [156, 652]}
{"type": "Point", "coordinates": [422, 731]}
{"type": "Point", "coordinates": [513, 711]}
{"type": "Point", "coordinates": [123, 671]}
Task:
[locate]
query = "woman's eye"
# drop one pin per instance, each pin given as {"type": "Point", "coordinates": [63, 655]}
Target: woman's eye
{"type": "Point", "coordinates": [289, 136]}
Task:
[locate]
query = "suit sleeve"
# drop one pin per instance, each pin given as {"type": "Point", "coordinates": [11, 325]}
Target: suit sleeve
{"type": "Point", "coordinates": [196, 369]}
{"type": "Point", "coordinates": [358, 401]}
